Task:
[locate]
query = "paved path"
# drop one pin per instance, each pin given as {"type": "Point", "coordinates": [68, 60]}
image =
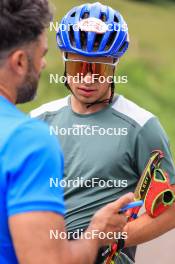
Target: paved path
{"type": "Point", "coordinates": [158, 251]}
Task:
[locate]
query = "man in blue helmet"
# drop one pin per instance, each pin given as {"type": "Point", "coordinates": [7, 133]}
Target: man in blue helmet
{"type": "Point", "coordinates": [106, 139]}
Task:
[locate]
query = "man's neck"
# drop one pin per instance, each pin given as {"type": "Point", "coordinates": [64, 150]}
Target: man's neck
{"type": "Point", "coordinates": [7, 93]}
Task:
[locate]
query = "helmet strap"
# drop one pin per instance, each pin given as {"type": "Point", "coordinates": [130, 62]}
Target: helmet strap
{"type": "Point", "coordinates": [105, 101]}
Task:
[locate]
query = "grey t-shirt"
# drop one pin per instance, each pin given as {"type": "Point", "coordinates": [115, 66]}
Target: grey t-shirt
{"type": "Point", "coordinates": [111, 146]}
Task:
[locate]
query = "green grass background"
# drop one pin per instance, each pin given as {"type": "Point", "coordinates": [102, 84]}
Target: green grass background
{"type": "Point", "coordinates": [149, 63]}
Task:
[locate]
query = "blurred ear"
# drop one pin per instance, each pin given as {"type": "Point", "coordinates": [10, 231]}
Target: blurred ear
{"type": "Point", "coordinates": [19, 62]}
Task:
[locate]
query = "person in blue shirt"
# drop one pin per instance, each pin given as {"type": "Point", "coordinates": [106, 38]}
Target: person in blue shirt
{"type": "Point", "coordinates": [29, 207]}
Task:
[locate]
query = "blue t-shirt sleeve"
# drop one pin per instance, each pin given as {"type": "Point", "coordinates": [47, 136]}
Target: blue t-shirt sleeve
{"type": "Point", "coordinates": [32, 158]}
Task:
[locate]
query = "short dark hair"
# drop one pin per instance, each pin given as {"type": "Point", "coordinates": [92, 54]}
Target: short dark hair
{"type": "Point", "coordinates": [22, 21]}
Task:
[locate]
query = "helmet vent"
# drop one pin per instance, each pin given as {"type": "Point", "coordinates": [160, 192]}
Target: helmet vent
{"type": "Point", "coordinates": [73, 14]}
{"type": "Point", "coordinates": [71, 36]}
{"type": "Point", "coordinates": [116, 19]}
{"type": "Point", "coordinates": [103, 17]}
{"type": "Point", "coordinates": [85, 15]}
{"type": "Point", "coordinates": [97, 41]}
{"type": "Point", "coordinates": [122, 47]}
{"type": "Point", "coordinates": [111, 40]}
{"type": "Point", "coordinates": [83, 38]}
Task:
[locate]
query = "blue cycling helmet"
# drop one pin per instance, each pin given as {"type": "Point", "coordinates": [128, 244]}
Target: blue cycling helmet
{"type": "Point", "coordinates": [93, 30]}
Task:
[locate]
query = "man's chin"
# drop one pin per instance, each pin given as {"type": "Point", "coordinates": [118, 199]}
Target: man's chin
{"type": "Point", "coordinates": [86, 100]}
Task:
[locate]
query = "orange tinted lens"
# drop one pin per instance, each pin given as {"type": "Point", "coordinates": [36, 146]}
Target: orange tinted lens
{"type": "Point", "coordinates": [102, 69]}
{"type": "Point", "coordinates": [74, 67]}
{"type": "Point", "coordinates": [79, 67]}
{"type": "Point", "coordinates": [85, 68]}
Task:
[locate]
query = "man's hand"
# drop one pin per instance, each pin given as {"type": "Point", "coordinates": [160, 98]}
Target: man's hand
{"type": "Point", "coordinates": [108, 218]}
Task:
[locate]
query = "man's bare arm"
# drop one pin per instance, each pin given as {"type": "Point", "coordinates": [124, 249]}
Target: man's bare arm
{"type": "Point", "coordinates": [31, 236]}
